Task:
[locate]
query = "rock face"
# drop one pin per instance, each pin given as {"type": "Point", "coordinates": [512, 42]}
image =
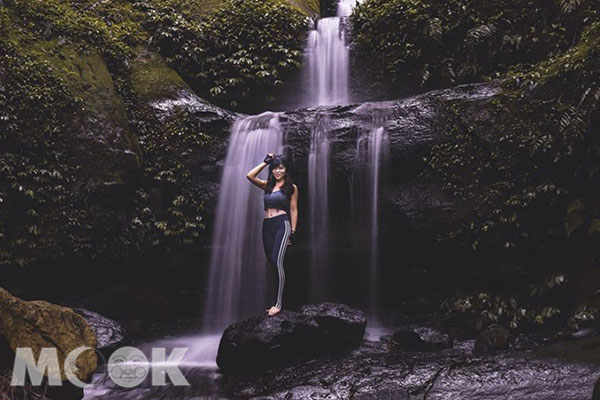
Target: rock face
{"type": "Point", "coordinates": [38, 324]}
{"type": "Point", "coordinates": [262, 342]}
{"type": "Point", "coordinates": [413, 125]}
{"type": "Point", "coordinates": [414, 209]}
{"type": "Point", "coordinates": [411, 341]}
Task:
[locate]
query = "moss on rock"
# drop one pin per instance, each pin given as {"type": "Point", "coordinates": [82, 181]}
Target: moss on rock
{"type": "Point", "coordinates": [39, 324]}
{"type": "Point", "coordinates": [152, 78]}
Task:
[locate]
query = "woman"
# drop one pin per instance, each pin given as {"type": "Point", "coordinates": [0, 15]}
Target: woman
{"type": "Point", "coordinates": [281, 215]}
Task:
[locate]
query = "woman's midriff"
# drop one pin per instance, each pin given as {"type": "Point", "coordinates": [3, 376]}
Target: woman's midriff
{"type": "Point", "coordinates": [273, 212]}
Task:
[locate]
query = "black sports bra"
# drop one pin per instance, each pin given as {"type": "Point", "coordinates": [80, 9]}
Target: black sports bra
{"type": "Point", "coordinates": [277, 199]}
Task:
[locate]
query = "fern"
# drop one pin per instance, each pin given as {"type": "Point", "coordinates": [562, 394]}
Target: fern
{"type": "Point", "coordinates": [480, 33]}
{"type": "Point", "coordinates": [433, 29]}
{"type": "Point", "coordinates": [568, 6]}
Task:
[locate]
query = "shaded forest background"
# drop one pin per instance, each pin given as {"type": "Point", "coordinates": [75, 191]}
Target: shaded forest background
{"type": "Point", "coordinates": [92, 181]}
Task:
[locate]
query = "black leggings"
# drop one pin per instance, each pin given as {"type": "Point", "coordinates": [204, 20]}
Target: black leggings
{"type": "Point", "coordinates": [276, 231]}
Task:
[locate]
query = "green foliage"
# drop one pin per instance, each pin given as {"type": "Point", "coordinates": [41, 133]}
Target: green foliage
{"type": "Point", "coordinates": [108, 27]}
{"type": "Point", "coordinates": [533, 166]}
{"type": "Point", "coordinates": [35, 107]}
{"type": "Point", "coordinates": [419, 45]}
{"type": "Point", "coordinates": [168, 213]}
{"type": "Point", "coordinates": [236, 55]}
{"type": "Point", "coordinates": [584, 313]}
{"type": "Point", "coordinates": [54, 207]}
{"type": "Point", "coordinates": [529, 167]}
{"type": "Point", "coordinates": [51, 208]}
{"type": "Point", "coordinates": [511, 310]}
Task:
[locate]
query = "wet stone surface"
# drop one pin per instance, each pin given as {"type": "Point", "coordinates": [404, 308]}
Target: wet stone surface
{"type": "Point", "coordinates": [378, 369]}
{"type": "Point", "coordinates": [375, 372]}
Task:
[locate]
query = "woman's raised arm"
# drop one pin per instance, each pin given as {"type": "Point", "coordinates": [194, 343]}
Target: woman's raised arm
{"type": "Point", "coordinates": [252, 175]}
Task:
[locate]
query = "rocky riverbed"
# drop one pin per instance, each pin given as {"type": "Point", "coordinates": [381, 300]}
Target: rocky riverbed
{"type": "Point", "coordinates": [379, 369]}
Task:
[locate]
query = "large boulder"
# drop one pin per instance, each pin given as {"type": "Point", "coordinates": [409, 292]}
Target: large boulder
{"type": "Point", "coordinates": [38, 324]}
{"type": "Point", "coordinates": [261, 342]}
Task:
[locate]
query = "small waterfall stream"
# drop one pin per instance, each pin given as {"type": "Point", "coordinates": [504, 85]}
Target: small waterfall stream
{"type": "Point", "coordinates": [376, 149]}
{"type": "Point", "coordinates": [327, 54]}
{"type": "Point", "coordinates": [372, 151]}
{"type": "Point", "coordinates": [318, 200]}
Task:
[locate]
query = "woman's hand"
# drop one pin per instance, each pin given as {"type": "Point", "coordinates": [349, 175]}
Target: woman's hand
{"type": "Point", "coordinates": [291, 238]}
{"type": "Point", "coordinates": [269, 158]}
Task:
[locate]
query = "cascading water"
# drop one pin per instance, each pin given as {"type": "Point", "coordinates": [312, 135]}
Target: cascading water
{"type": "Point", "coordinates": [327, 61]}
{"type": "Point", "coordinates": [236, 286]}
{"type": "Point", "coordinates": [318, 199]}
{"type": "Point", "coordinates": [376, 148]}
{"type": "Point", "coordinates": [372, 150]}
{"type": "Point", "coordinates": [327, 53]}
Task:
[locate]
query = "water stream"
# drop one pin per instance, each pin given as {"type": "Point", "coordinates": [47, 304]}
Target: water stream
{"type": "Point", "coordinates": [318, 204]}
{"type": "Point", "coordinates": [372, 151]}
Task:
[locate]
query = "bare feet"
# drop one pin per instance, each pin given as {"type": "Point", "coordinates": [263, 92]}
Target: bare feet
{"type": "Point", "coordinates": [273, 310]}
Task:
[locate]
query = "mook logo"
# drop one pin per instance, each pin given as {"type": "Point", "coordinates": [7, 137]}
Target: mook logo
{"type": "Point", "coordinates": [127, 366]}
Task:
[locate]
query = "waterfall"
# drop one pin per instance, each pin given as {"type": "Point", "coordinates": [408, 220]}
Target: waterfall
{"type": "Point", "coordinates": [327, 60]}
{"type": "Point", "coordinates": [326, 54]}
{"type": "Point", "coordinates": [372, 150]}
{"type": "Point", "coordinates": [237, 286]}
{"type": "Point", "coordinates": [375, 148]}
{"type": "Point", "coordinates": [345, 7]}
{"type": "Point", "coordinates": [318, 203]}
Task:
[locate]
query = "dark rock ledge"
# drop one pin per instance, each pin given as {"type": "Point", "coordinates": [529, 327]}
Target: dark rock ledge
{"type": "Point", "coordinates": [261, 342]}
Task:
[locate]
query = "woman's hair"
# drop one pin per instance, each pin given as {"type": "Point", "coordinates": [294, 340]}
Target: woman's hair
{"type": "Point", "coordinates": [288, 184]}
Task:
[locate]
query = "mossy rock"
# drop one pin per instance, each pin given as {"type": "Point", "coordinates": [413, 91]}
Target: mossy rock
{"type": "Point", "coordinates": [39, 324]}
{"type": "Point", "coordinates": [152, 78]}
{"type": "Point", "coordinates": [102, 123]}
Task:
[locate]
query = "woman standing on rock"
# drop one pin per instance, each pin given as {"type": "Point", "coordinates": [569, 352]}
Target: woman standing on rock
{"type": "Point", "coordinates": [281, 215]}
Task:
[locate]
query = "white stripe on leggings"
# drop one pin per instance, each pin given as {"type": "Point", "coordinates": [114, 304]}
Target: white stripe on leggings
{"type": "Point", "coordinates": [280, 257]}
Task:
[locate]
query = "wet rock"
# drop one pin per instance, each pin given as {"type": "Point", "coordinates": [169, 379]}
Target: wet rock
{"type": "Point", "coordinates": [344, 325]}
{"type": "Point", "coordinates": [408, 340]}
{"type": "Point", "coordinates": [411, 341]}
{"type": "Point", "coordinates": [494, 337]}
{"type": "Point", "coordinates": [262, 342]}
{"type": "Point", "coordinates": [372, 372]}
{"type": "Point", "coordinates": [108, 332]}
{"type": "Point", "coordinates": [38, 324]}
